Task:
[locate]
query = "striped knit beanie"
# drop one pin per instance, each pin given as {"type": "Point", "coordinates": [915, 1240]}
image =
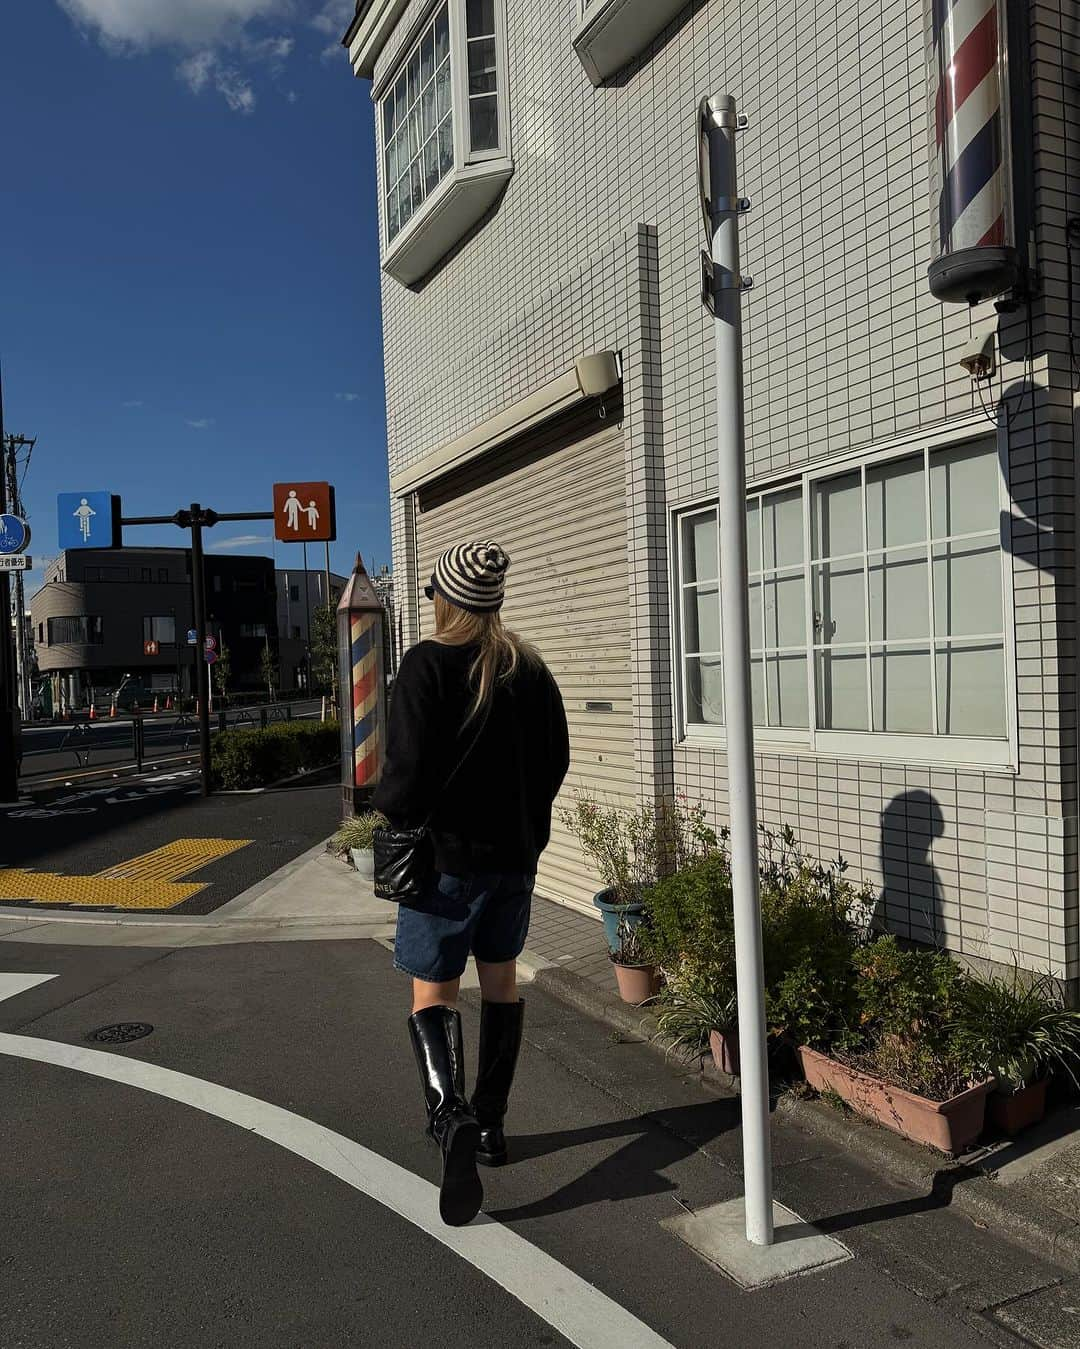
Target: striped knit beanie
{"type": "Point", "coordinates": [472, 576]}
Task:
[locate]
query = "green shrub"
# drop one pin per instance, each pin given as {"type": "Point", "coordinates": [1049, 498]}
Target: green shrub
{"type": "Point", "coordinates": [1020, 1025]}
{"type": "Point", "coordinates": [358, 831]}
{"type": "Point", "coordinates": [253, 758]}
{"type": "Point", "coordinates": [812, 920]}
{"type": "Point", "coordinates": [689, 915]}
{"type": "Point", "coordinates": [907, 993]}
{"type": "Point", "coordinates": [630, 849]}
{"type": "Point", "coordinates": [907, 1022]}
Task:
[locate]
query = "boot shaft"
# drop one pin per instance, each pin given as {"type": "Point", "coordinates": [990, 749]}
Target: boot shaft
{"type": "Point", "coordinates": [501, 1025]}
{"type": "Point", "coordinates": [437, 1043]}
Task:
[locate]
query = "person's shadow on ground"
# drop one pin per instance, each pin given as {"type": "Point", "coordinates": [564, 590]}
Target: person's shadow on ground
{"type": "Point", "coordinates": [655, 1141]}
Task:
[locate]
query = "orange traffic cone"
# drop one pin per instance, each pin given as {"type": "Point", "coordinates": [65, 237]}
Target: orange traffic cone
{"type": "Point", "coordinates": [112, 709]}
{"type": "Point", "coordinates": [168, 702]}
{"type": "Point", "coordinates": [155, 708]}
{"type": "Point", "coordinates": [93, 712]}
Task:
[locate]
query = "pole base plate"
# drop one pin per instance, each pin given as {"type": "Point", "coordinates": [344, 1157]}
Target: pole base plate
{"type": "Point", "coordinates": [718, 1235]}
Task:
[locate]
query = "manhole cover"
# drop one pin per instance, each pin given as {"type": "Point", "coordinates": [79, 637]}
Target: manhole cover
{"type": "Point", "coordinates": [121, 1033]}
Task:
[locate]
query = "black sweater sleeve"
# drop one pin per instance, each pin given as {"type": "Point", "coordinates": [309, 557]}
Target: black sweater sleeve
{"type": "Point", "coordinates": [404, 793]}
{"type": "Point", "coordinates": [560, 738]}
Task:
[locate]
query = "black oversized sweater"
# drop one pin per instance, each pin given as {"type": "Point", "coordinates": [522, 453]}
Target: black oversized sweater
{"type": "Point", "coordinates": [496, 815]}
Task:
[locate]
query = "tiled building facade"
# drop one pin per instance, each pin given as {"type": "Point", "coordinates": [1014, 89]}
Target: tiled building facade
{"type": "Point", "coordinates": [593, 244]}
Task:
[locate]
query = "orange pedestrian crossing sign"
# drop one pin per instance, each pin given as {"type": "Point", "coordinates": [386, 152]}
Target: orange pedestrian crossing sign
{"type": "Point", "coordinates": [304, 512]}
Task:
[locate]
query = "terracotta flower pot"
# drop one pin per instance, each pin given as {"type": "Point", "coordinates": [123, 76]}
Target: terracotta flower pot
{"type": "Point", "coordinates": [1017, 1110]}
{"type": "Point", "coordinates": [725, 1051]}
{"type": "Point", "coordinates": [950, 1126]}
{"type": "Point", "coordinates": [637, 983]}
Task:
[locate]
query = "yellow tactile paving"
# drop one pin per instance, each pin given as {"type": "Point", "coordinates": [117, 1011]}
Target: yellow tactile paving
{"type": "Point", "coordinates": [151, 881]}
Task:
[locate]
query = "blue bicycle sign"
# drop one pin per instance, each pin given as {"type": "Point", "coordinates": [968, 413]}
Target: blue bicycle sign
{"type": "Point", "coordinates": [14, 534]}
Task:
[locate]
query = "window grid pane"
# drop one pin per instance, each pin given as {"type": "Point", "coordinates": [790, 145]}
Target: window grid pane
{"type": "Point", "coordinates": [418, 126]}
{"type": "Point", "coordinates": [482, 75]}
{"type": "Point", "coordinates": [907, 618]}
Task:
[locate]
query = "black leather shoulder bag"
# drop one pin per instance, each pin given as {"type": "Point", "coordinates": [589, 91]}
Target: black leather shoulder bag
{"type": "Point", "coordinates": [405, 858]}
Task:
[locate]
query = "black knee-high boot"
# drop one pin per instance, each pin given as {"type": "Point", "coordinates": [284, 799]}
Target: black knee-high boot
{"type": "Point", "coordinates": [500, 1041]}
{"type": "Point", "coordinates": [436, 1040]}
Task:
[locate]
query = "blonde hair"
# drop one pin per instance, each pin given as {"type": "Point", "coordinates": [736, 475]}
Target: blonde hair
{"type": "Point", "coordinates": [501, 652]}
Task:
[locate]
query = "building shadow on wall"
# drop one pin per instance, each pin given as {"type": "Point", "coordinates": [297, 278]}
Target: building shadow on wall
{"type": "Point", "coordinates": [912, 897]}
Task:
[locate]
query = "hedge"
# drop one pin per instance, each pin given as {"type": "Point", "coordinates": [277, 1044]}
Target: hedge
{"type": "Point", "coordinates": [240, 759]}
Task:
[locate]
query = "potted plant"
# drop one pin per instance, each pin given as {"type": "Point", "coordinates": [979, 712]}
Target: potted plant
{"type": "Point", "coordinates": [696, 1011]}
{"type": "Point", "coordinates": [632, 849]}
{"type": "Point", "coordinates": [1022, 1029]}
{"type": "Point", "coordinates": [635, 965]}
{"type": "Point", "coordinates": [356, 839]}
{"type": "Point", "coordinates": [905, 1059]}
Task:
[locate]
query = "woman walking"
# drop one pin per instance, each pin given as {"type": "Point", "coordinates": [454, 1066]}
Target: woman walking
{"type": "Point", "coordinates": [477, 750]}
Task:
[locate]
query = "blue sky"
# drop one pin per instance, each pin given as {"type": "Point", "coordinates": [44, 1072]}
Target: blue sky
{"type": "Point", "coordinates": [189, 262]}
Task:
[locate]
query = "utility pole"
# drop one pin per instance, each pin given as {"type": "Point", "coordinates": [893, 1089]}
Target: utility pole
{"type": "Point", "coordinates": [12, 444]}
{"type": "Point", "coordinates": [723, 284]}
{"type": "Point", "coordinates": [307, 623]}
{"type": "Point", "coordinates": [10, 726]}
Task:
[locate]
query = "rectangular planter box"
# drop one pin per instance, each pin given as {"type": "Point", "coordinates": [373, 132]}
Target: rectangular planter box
{"type": "Point", "coordinates": [950, 1126]}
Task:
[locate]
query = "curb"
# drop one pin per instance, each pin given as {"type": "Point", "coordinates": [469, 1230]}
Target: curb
{"type": "Point", "coordinates": [968, 1187]}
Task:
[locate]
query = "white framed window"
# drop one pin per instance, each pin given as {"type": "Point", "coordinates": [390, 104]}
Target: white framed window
{"type": "Point", "coordinates": [610, 33]}
{"type": "Point", "coordinates": [879, 596]}
{"type": "Point", "coordinates": [443, 131]}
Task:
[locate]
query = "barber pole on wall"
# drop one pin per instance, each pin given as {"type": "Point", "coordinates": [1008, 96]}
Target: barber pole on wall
{"type": "Point", "coordinates": [361, 644]}
{"type": "Point", "coordinates": [971, 156]}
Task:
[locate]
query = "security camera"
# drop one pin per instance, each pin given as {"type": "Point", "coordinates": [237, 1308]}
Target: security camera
{"type": "Point", "coordinates": [979, 355]}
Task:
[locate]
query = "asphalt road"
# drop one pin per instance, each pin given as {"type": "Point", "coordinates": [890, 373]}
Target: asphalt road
{"type": "Point", "coordinates": [86, 829]}
{"type": "Point", "coordinates": [134, 1218]}
{"type": "Point", "coordinates": [86, 745]}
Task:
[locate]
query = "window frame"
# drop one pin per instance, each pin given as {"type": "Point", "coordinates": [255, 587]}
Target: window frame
{"type": "Point", "coordinates": [86, 619]}
{"type": "Point", "coordinates": [985, 754]}
{"type": "Point", "coordinates": [149, 622]}
{"type": "Point", "coordinates": [469, 168]}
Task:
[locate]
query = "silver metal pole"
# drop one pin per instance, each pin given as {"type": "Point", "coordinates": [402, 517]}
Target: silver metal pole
{"type": "Point", "coordinates": [720, 125]}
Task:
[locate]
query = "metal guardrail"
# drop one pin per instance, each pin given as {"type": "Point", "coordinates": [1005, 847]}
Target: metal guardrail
{"type": "Point", "coordinates": [131, 742]}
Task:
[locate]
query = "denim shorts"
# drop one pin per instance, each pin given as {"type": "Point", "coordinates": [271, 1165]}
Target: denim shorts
{"type": "Point", "coordinates": [484, 916]}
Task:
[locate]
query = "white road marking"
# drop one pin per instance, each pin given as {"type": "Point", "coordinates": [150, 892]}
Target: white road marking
{"type": "Point", "coordinates": [577, 1310]}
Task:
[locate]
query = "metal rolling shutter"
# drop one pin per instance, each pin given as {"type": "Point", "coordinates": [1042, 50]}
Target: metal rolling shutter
{"type": "Point", "coordinates": [558, 507]}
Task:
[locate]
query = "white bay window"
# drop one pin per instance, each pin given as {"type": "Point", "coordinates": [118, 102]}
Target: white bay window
{"type": "Point", "coordinates": [877, 610]}
{"type": "Point", "coordinates": [443, 134]}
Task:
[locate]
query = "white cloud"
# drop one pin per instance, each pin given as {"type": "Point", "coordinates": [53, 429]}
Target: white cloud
{"type": "Point", "coordinates": [201, 423]}
{"type": "Point", "coordinates": [206, 69]}
{"type": "Point", "coordinates": [142, 24]}
{"type": "Point", "coordinates": [133, 403]}
{"type": "Point", "coordinates": [333, 17]}
{"type": "Point", "coordinates": [347, 397]}
{"type": "Point", "coordinates": [238, 541]}
{"type": "Point", "coordinates": [217, 48]}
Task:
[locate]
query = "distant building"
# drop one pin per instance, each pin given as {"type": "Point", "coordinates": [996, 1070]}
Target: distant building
{"type": "Point", "coordinates": [383, 583]}
{"type": "Point", "coordinates": [295, 611]}
{"type": "Point", "coordinates": [98, 610]}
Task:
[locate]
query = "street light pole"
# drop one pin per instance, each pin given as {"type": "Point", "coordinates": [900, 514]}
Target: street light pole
{"type": "Point", "coordinates": [724, 283]}
{"type": "Point", "coordinates": [202, 670]}
{"type": "Point", "coordinates": [10, 727]}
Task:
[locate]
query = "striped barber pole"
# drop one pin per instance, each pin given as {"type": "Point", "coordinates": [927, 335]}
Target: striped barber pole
{"type": "Point", "coordinates": [971, 126]}
{"type": "Point", "coordinates": [366, 635]}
